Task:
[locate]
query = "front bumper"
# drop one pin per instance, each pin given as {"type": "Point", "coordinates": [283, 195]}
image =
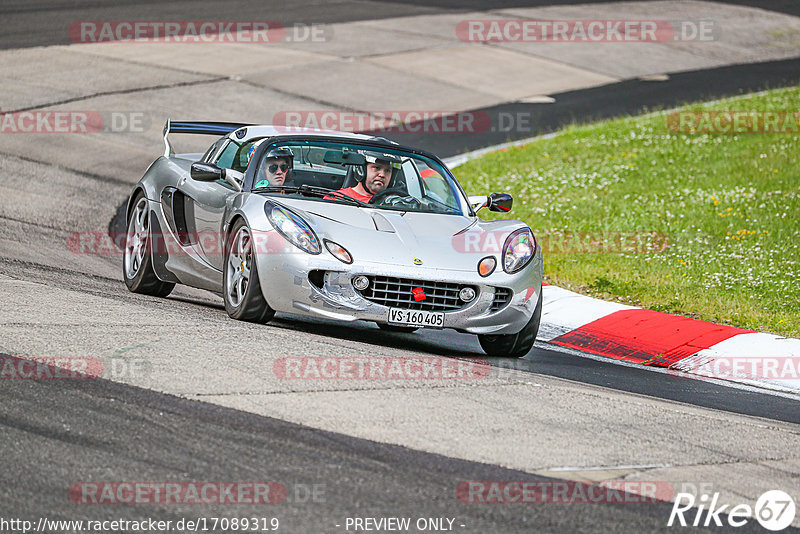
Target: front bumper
{"type": "Point", "coordinates": [283, 273]}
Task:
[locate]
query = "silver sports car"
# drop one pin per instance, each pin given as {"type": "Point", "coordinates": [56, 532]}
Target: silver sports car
{"type": "Point", "coordinates": [332, 224]}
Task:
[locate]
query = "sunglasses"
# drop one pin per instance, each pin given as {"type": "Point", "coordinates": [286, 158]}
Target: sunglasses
{"type": "Point", "coordinates": [274, 167]}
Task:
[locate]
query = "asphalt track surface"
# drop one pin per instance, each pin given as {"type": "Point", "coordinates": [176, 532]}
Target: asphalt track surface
{"type": "Point", "coordinates": [101, 430]}
{"type": "Point", "coordinates": [42, 22]}
{"type": "Point", "coordinates": [152, 437]}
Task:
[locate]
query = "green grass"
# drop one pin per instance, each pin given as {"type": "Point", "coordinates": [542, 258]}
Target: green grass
{"type": "Point", "coordinates": [728, 204]}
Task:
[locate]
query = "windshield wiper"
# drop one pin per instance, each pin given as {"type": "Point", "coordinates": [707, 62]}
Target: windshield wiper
{"type": "Point", "coordinates": [276, 189]}
{"type": "Point", "coordinates": [447, 208]}
{"type": "Point", "coordinates": [310, 191]}
{"type": "Point", "coordinates": [313, 190]}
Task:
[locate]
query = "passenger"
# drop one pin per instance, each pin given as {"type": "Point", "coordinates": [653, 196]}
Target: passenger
{"type": "Point", "coordinates": [372, 179]}
{"type": "Point", "coordinates": [276, 167]}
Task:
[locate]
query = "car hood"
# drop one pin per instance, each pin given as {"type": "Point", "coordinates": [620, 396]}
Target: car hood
{"type": "Point", "coordinates": [400, 238]}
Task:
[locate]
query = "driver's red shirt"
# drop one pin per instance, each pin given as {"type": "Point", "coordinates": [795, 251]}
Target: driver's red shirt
{"type": "Point", "coordinates": [352, 193]}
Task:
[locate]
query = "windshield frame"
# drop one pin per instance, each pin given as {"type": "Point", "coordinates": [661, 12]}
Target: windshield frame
{"type": "Point", "coordinates": [270, 142]}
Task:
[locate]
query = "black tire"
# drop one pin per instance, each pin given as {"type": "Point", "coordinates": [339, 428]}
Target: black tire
{"type": "Point", "coordinates": [514, 345]}
{"type": "Point", "coordinates": [137, 269]}
{"type": "Point", "coordinates": [396, 328]}
{"type": "Point", "coordinates": [247, 304]}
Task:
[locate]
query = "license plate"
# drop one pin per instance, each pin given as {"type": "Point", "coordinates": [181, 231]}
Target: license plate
{"type": "Point", "coordinates": [416, 318]}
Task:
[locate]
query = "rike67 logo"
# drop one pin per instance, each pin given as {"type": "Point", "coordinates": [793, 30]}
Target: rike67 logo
{"type": "Point", "coordinates": [774, 510]}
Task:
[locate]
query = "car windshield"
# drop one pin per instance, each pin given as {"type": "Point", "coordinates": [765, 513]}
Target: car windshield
{"type": "Point", "coordinates": [349, 173]}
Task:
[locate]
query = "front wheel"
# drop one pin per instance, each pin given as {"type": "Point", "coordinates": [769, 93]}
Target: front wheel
{"type": "Point", "coordinates": [514, 345]}
{"type": "Point", "coordinates": [241, 285]}
{"type": "Point", "coordinates": [137, 261]}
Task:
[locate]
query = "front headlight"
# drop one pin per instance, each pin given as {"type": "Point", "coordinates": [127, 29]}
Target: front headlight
{"type": "Point", "coordinates": [518, 250]}
{"type": "Point", "coordinates": [293, 228]}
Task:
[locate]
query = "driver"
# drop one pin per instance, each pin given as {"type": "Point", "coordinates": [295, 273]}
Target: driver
{"type": "Point", "coordinates": [373, 178]}
{"type": "Point", "coordinates": [276, 167]}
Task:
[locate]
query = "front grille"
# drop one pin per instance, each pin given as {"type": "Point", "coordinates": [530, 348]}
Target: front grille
{"type": "Point", "coordinates": [502, 296]}
{"type": "Point", "coordinates": [397, 293]}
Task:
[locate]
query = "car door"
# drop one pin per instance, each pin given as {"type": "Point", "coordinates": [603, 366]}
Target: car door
{"type": "Point", "coordinates": [205, 207]}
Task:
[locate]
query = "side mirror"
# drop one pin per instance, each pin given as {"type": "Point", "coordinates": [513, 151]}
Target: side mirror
{"type": "Point", "coordinates": [206, 172]}
{"type": "Point", "coordinates": [500, 202]}
{"type": "Point", "coordinates": [235, 178]}
{"type": "Point", "coordinates": [478, 202]}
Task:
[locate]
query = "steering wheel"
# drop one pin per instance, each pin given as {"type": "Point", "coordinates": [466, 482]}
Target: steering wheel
{"type": "Point", "coordinates": [396, 198]}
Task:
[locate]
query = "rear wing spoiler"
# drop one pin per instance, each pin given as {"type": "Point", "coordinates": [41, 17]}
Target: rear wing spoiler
{"type": "Point", "coordinates": [197, 127]}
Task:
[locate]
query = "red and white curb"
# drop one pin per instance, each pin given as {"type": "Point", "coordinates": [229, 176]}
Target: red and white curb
{"type": "Point", "coordinates": [681, 345]}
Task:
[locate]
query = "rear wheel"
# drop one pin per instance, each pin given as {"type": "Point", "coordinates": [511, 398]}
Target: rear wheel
{"type": "Point", "coordinates": [396, 328]}
{"type": "Point", "coordinates": [514, 345]}
{"type": "Point", "coordinates": [137, 262]}
{"type": "Point", "coordinates": [241, 285]}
